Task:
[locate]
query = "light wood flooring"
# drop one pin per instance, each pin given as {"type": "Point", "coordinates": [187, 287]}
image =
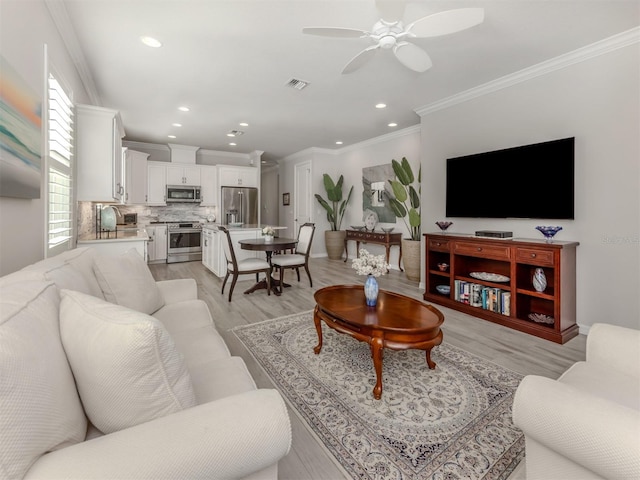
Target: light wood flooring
{"type": "Point", "coordinates": [514, 350]}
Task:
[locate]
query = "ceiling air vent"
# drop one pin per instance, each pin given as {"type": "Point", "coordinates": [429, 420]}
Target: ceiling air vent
{"type": "Point", "coordinates": [234, 133]}
{"type": "Point", "coordinates": [297, 83]}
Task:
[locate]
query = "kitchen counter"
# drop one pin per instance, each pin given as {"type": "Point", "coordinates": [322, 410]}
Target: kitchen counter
{"type": "Point", "coordinates": [113, 246]}
{"type": "Point", "coordinates": [252, 226]}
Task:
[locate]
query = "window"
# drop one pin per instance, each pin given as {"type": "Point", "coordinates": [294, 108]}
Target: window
{"type": "Point", "coordinates": [60, 160]}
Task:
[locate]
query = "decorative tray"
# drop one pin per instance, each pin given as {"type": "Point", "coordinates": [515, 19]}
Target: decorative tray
{"type": "Point", "coordinates": [541, 318]}
{"type": "Point", "coordinates": [490, 277]}
{"type": "Point", "coordinates": [236, 224]}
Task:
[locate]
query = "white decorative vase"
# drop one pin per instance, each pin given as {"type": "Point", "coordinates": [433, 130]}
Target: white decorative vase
{"type": "Point", "coordinates": [539, 280]}
{"type": "Point", "coordinates": [268, 238]}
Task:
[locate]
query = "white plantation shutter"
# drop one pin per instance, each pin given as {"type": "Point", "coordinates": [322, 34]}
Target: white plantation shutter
{"type": "Point", "coordinates": [60, 162]}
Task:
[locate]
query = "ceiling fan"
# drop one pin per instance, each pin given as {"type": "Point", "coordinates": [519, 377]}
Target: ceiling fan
{"type": "Point", "coordinates": [395, 36]}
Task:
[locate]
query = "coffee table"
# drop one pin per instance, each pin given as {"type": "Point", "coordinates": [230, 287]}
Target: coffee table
{"type": "Point", "coordinates": [397, 322]}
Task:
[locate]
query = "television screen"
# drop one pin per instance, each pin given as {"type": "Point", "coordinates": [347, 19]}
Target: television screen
{"type": "Point", "coordinates": [530, 181]}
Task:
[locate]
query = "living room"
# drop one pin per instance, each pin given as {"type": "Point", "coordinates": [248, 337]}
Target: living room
{"type": "Point", "coordinates": [591, 94]}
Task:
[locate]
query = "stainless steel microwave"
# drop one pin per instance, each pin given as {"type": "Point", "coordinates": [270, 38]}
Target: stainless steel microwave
{"type": "Point", "coordinates": [182, 193]}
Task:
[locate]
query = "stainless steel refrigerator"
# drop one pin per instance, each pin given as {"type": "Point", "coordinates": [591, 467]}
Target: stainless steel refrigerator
{"type": "Point", "coordinates": [240, 205]}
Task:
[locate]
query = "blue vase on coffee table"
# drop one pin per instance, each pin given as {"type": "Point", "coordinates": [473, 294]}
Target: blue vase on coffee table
{"type": "Point", "coordinates": [371, 290]}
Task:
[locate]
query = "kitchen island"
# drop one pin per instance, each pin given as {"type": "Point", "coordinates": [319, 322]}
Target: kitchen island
{"type": "Point", "coordinates": [114, 246]}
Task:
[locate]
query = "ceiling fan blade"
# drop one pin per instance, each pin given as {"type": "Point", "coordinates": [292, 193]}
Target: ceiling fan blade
{"type": "Point", "coordinates": [391, 10]}
{"type": "Point", "coordinates": [360, 59]}
{"type": "Point", "coordinates": [443, 23]}
{"type": "Point", "coordinates": [412, 56]}
{"type": "Point", "coordinates": [334, 32]}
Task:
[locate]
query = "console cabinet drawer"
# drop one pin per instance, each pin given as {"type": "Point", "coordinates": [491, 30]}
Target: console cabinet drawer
{"type": "Point", "coordinates": [534, 256]}
{"type": "Point", "coordinates": [496, 252]}
{"type": "Point", "coordinates": [439, 245]}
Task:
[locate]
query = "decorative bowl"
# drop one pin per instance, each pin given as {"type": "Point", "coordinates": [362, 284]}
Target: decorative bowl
{"type": "Point", "coordinates": [548, 231]}
{"type": "Point", "coordinates": [443, 225]}
{"type": "Point", "coordinates": [443, 289]}
{"type": "Point", "coordinates": [443, 267]}
{"type": "Point", "coordinates": [356, 227]}
{"type": "Point", "coordinates": [387, 229]}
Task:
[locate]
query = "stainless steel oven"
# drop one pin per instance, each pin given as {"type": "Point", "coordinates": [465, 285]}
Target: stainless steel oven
{"type": "Point", "coordinates": [184, 242]}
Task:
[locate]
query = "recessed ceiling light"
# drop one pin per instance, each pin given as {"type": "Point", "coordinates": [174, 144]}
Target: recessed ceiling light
{"type": "Point", "coordinates": [243, 124]}
{"type": "Point", "coordinates": [176, 124]}
{"type": "Point", "coordinates": [392, 124]}
{"type": "Point", "coordinates": [151, 42]}
{"type": "Point", "coordinates": [183, 109]}
{"type": "Point", "coordinates": [338, 142]}
{"type": "Point", "coordinates": [233, 144]}
{"type": "Point", "coordinates": [171, 136]}
{"type": "Point", "coordinates": [381, 105]}
{"type": "Point", "coordinates": [231, 134]}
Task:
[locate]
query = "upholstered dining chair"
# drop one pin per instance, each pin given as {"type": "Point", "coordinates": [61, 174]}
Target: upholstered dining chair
{"type": "Point", "coordinates": [300, 258]}
{"type": "Point", "coordinates": [240, 267]}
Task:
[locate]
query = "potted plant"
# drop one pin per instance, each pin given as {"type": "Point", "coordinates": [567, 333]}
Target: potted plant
{"type": "Point", "coordinates": [405, 204]}
{"type": "Point", "coordinates": [335, 207]}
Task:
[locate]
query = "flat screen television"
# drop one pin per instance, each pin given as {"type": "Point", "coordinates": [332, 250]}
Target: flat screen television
{"type": "Point", "coordinates": [530, 181]}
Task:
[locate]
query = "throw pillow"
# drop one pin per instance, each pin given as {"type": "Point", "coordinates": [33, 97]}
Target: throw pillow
{"type": "Point", "coordinates": [126, 280]}
{"type": "Point", "coordinates": [125, 363]}
{"type": "Point", "coordinates": [40, 410]}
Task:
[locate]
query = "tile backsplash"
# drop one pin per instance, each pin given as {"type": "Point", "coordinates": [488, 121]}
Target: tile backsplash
{"type": "Point", "coordinates": [177, 212]}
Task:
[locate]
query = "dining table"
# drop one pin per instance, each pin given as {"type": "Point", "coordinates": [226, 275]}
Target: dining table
{"type": "Point", "coordinates": [277, 244]}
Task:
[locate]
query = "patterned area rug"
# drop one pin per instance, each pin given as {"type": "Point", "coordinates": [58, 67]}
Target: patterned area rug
{"type": "Point", "coordinates": [453, 422]}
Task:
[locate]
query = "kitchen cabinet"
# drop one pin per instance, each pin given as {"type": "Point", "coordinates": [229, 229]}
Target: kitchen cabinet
{"type": "Point", "coordinates": [210, 251]}
{"type": "Point", "coordinates": [157, 249]}
{"type": "Point", "coordinates": [99, 134]}
{"type": "Point", "coordinates": [135, 178]}
{"type": "Point", "coordinates": [208, 186]}
{"type": "Point", "coordinates": [231, 176]}
{"type": "Point", "coordinates": [156, 183]}
{"type": "Point", "coordinates": [118, 246]}
{"type": "Point", "coordinates": [183, 175]}
{"type": "Point", "coordinates": [214, 258]}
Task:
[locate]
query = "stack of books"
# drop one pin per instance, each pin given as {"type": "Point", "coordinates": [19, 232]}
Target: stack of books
{"type": "Point", "coordinates": [487, 298]}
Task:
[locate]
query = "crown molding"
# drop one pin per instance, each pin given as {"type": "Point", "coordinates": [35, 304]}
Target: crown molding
{"type": "Point", "coordinates": [602, 47]}
{"type": "Point", "coordinates": [382, 138]}
{"type": "Point", "coordinates": [60, 18]}
{"type": "Point", "coordinates": [147, 146]}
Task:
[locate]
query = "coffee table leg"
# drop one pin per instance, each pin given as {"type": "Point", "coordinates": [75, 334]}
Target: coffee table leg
{"type": "Point", "coordinates": [430, 362]}
{"type": "Point", "coordinates": [316, 320]}
{"type": "Point", "coordinates": [376, 354]}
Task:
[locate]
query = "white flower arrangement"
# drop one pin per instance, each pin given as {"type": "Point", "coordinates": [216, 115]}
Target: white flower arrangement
{"type": "Point", "coordinates": [268, 230]}
{"type": "Point", "coordinates": [368, 264]}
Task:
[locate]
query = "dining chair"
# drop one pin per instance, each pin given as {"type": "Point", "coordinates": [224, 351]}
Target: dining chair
{"type": "Point", "coordinates": [240, 267]}
{"type": "Point", "coordinates": [300, 258]}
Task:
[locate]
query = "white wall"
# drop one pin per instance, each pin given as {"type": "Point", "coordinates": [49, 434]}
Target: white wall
{"type": "Point", "coordinates": [348, 161]}
{"type": "Point", "coordinates": [270, 198]}
{"type": "Point", "coordinates": [597, 101]}
{"type": "Point", "coordinates": [25, 27]}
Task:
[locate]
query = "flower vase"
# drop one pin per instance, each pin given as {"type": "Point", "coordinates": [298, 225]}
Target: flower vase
{"type": "Point", "coordinates": [371, 290]}
{"type": "Point", "coordinates": [539, 280]}
{"type": "Point", "coordinates": [268, 238]}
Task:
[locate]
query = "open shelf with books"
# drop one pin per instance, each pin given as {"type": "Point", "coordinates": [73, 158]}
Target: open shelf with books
{"type": "Point", "coordinates": [493, 279]}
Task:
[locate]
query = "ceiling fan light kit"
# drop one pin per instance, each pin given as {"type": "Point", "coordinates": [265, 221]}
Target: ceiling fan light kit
{"type": "Point", "coordinates": [392, 35]}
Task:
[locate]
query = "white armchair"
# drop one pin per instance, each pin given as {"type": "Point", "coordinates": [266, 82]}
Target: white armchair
{"type": "Point", "coordinates": [586, 424]}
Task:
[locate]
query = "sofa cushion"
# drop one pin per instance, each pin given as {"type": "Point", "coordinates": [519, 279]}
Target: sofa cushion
{"type": "Point", "coordinates": [126, 366]}
{"type": "Point", "coordinates": [41, 410]}
{"type": "Point", "coordinates": [603, 382]}
{"type": "Point", "coordinates": [126, 280]}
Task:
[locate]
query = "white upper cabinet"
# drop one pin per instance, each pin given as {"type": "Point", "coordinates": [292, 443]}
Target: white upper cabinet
{"type": "Point", "coordinates": [231, 176]}
{"type": "Point", "coordinates": [183, 175]}
{"type": "Point", "coordinates": [99, 134]}
{"type": "Point", "coordinates": [135, 178]}
{"type": "Point", "coordinates": [156, 183]}
{"type": "Point", "coordinates": [208, 186]}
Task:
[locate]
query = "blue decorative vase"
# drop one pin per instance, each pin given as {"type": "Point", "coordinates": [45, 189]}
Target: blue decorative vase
{"type": "Point", "coordinates": [371, 290]}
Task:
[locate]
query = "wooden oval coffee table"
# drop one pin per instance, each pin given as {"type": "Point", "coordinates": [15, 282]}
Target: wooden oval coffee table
{"type": "Point", "coordinates": [396, 322]}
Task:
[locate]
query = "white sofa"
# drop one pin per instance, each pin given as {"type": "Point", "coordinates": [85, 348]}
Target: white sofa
{"type": "Point", "coordinates": [586, 424]}
{"type": "Point", "coordinates": [79, 348]}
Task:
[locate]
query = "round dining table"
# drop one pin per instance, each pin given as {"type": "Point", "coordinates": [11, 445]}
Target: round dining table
{"type": "Point", "coordinates": [278, 244]}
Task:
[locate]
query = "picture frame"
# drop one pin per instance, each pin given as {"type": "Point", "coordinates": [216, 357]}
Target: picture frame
{"type": "Point", "coordinates": [286, 199]}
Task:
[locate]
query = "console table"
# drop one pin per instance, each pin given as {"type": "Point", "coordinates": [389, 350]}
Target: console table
{"type": "Point", "coordinates": [381, 238]}
{"type": "Point", "coordinates": [493, 279]}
